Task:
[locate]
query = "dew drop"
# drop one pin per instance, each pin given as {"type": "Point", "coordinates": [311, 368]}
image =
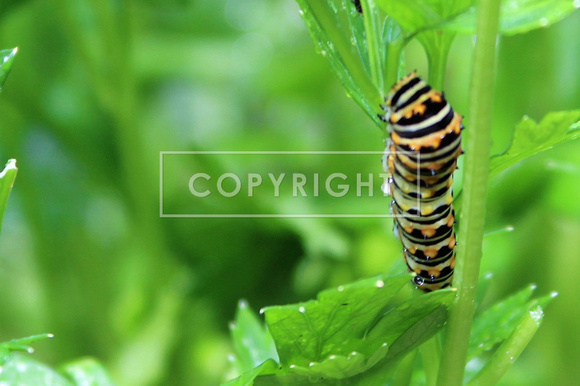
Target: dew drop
{"type": "Point", "coordinates": [380, 284]}
{"type": "Point", "coordinates": [385, 344]}
{"type": "Point", "coordinates": [332, 357]}
{"type": "Point", "coordinates": [50, 336]}
{"type": "Point", "coordinates": [544, 22]}
{"type": "Point", "coordinates": [261, 312]}
{"type": "Point", "coordinates": [533, 287]}
{"type": "Point", "coordinates": [301, 309]}
{"type": "Point", "coordinates": [292, 366]}
{"type": "Point", "coordinates": [340, 288]}
{"type": "Point", "coordinates": [489, 275]}
{"type": "Point", "coordinates": [231, 357]}
{"type": "Point", "coordinates": [30, 350]}
{"type": "Point", "coordinates": [301, 12]}
{"type": "Point", "coordinates": [233, 326]}
{"type": "Point", "coordinates": [311, 364]}
{"type": "Point", "coordinates": [323, 52]}
{"type": "Point", "coordinates": [554, 294]}
{"type": "Point", "coordinates": [243, 304]}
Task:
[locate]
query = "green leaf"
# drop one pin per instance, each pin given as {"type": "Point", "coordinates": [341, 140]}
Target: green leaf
{"type": "Point", "coordinates": [531, 138]}
{"type": "Point", "coordinates": [6, 60]}
{"type": "Point", "coordinates": [247, 378]}
{"type": "Point", "coordinates": [412, 322]}
{"type": "Point", "coordinates": [252, 342]}
{"type": "Point", "coordinates": [23, 371]}
{"type": "Point", "coordinates": [87, 371]}
{"type": "Point", "coordinates": [411, 15]}
{"type": "Point", "coordinates": [355, 333]}
{"type": "Point", "coordinates": [495, 324]}
{"type": "Point", "coordinates": [329, 26]}
{"type": "Point", "coordinates": [510, 350]}
{"type": "Point", "coordinates": [517, 16]}
{"type": "Point", "coordinates": [7, 177]}
{"type": "Point", "coordinates": [334, 325]}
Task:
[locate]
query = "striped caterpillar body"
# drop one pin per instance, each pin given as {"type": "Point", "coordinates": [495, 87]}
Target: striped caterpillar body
{"type": "Point", "coordinates": [420, 158]}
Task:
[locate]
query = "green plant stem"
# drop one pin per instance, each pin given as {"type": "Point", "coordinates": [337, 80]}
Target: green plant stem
{"type": "Point", "coordinates": [472, 219]}
{"type": "Point", "coordinates": [393, 60]}
{"type": "Point", "coordinates": [373, 33]}
{"type": "Point", "coordinates": [430, 354]}
{"type": "Point", "coordinates": [437, 64]}
{"type": "Point", "coordinates": [510, 349]}
{"type": "Point", "coordinates": [405, 369]}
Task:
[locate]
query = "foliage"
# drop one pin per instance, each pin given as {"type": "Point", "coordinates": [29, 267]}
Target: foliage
{"type": "Point", "coordinates": [99, 88]}
{"type": "Point", "coordinates": [22, 370]}
{"type": "Point", "coordinates": [322, 340]}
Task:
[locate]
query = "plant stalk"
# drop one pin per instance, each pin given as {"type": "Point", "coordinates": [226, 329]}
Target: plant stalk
{"type": "Point", "coordinates": [472, 218]}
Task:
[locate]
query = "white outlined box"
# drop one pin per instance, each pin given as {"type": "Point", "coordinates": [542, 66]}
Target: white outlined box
{"type": "Point", "coordinates": [349, 188]}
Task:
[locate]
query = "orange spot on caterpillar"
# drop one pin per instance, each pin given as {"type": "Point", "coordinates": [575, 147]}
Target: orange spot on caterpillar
{"type": "Point", "coordinates": [451, 243]}
{"type": "Point", "coordinates": [429, 232]}
{"type": "Point", "coordinates": [431, 252]}
{"type": "Point", "coordinates": [434, 272]}
{"type": "Point", "coordinates": [450, 220]}
{"type": "Point", "coordinates": [395, 138]}
{"type": "Point", "coordinates": [419, 109]}
{"type": "Point", "coordinates": [436, 97]}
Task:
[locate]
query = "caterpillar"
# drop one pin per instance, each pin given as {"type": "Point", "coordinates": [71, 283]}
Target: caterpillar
{"type": "Point", "coordinates": [420, 158]}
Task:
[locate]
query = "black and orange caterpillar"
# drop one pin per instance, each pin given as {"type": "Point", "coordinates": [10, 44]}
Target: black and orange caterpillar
{"type": "Point", "coordinates": [420, 158]}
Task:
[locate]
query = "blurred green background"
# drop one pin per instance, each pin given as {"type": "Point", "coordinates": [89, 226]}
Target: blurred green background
{"type": "Point", "coordinates": [99, 88]}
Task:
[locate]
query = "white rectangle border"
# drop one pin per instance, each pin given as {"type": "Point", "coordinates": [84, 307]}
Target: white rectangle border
{"type": "Point", "coordinates": [282, 152]}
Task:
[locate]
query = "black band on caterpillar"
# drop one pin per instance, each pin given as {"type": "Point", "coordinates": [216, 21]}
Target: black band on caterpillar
{"type": "Point", "coordinates": [420, 158]}
{"type": "Point", "coordinates": [357, 6]}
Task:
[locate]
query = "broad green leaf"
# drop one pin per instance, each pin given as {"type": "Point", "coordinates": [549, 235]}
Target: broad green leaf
{"type": "Point", "coordinates": [252, 342]}
{"type": "Point", "coordinates": [21, 370]}
{"type": "Point", "coordinates": [333, 325]}
{"type": "Point", "coordinates": [510, 350]}
{"type": "Point", "coordinates": [412, 322]}
{"type": "Point", "coordinates": [531, 138]}
{"type": "Point", "coordinates": [495, 324]}
{"type": "Point", "coordinates": [348, 333]}
{"type": "Point", "coordinates": [518, 16]}
{"type": "Point", "coordinates": [415, 321]}
{"type": "Point", "coordinates": [7, 177]}
{"type": "Point", "coordinates": [329, 26]}
{"type": "Point", "coordinates": [87, 371]}
{"type": "Point", "coordinates": [423, 18]}
{"type": "Point", "coordinates": [411, 15]}
{"type": "Point", "coordinates": [6, 60]}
